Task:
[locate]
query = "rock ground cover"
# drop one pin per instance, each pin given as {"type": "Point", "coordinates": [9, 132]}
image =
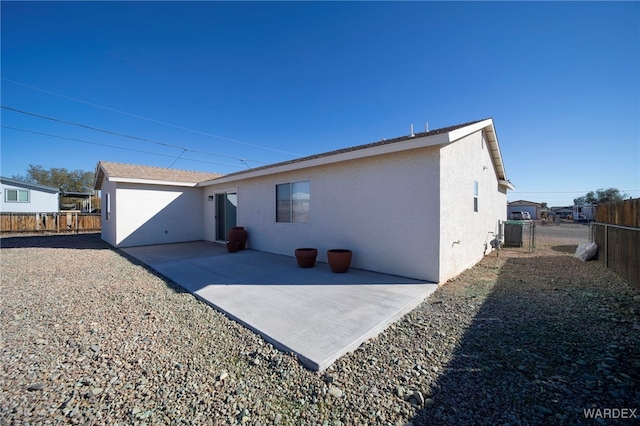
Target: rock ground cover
{"type": "Point", "coordinates": [90, 337]}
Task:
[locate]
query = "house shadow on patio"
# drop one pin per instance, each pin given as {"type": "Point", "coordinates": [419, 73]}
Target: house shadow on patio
{"type": "Point", "coordinates": [554, 337]}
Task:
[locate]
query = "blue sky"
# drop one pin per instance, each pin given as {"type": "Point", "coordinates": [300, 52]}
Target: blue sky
{"type": "Point", "coordinates": [243, 84]}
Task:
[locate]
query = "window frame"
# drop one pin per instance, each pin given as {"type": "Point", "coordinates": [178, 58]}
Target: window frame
{"type": "Point", "coordinates": [17, 192]}
{"type": "Point", "coordinates": [107, 211]}
{"type": "Point", "coordinates": [475, 196]}
{"type": "Point", "coordinates": [290, 202]}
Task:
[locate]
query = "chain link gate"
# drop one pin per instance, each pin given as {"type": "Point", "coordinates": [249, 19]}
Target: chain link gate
{"type": "Point", "coordinates": [518, 235]}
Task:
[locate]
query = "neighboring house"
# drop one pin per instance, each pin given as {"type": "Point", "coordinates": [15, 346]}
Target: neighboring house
{"type": "Point", "coordinates": [524, 206]}
{"type": "Point", "coordinates": [424, 206]}
{"type": "Point", "coordinates": [23, 197]}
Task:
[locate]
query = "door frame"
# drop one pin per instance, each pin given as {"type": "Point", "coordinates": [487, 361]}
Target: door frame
{"type": "Point", "coordinates": [230, 218]}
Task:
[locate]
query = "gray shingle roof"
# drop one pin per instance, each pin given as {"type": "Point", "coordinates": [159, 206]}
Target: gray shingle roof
{"type": "Point", "coordinates": [134, 171]}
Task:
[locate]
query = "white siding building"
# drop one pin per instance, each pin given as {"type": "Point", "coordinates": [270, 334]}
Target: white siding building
{"type": "Point", "coordinates": [23, 197]}
{"type": "Point", "coordinates": [530, 207]}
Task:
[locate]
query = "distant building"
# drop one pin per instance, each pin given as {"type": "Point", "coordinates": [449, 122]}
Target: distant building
{"type": "Point", "coordinates": [563, 212]}
{"type": "Point", "coordinates": [530, 207]}
{"type": "Point", "coordinates": [24, 197]}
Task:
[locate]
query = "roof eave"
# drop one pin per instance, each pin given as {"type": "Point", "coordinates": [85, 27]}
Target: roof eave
{"type": "Point", "coordinates": [99, 176]}
{"type": "Point", "coordinates": [413, 143]}
{"type": "Point", "coordinates": [492, 144]}
{"type": "Point", "coordinates": [506, 184]}
{"type": "Point", "coordinates": [36, 186]}
{"type": "Point", "coordinates": [153, 182]}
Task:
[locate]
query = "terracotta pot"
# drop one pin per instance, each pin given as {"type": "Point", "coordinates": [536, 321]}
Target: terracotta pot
{"type": "Point", "coordinates": [232, 247]}
{"type": "Point", "coordinates": [339, 260]}
{"type": "Point", "coordinates": [238, 234]}
{"type": "Point", "coordinates": [306, 257]}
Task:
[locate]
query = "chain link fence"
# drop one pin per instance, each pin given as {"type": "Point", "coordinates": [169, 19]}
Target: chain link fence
{"type": "Point", "coordinates": [526, 235]}
{"type": "Point", "coordinates": [562, 236]}
{"type": "Point", "coordinates": [518, 235]}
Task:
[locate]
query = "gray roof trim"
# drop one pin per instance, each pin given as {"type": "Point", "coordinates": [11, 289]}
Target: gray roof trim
{"type": "Point", "coordinates": [29, 185]}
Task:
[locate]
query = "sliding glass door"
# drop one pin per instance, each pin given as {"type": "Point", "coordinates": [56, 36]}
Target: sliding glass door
{"type": "Point", "coordinates": [226, 214]}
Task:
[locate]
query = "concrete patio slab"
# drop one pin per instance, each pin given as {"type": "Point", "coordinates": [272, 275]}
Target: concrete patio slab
{"type": "Point", "coordinates": [314, 313]}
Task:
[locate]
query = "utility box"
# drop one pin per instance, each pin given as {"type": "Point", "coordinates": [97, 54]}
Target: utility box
{"type": "Point", "coordinates": [513, 232]}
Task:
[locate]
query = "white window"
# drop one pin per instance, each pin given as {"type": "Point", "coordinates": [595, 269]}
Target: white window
{"type": "Point", "coordinates": [475, 196]}
{"type": "Point", "coordinates": [293, 202]}
{"type": "Point", "coordinates": [107, 211]}
{"type": "Point", "coordinates": [16, 195]}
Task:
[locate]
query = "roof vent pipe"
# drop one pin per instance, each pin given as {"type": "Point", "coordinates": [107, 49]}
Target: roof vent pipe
{"type": "Point", "coordinates": [426, 126]}
{"type": "Point", "coordinates": [411, 132]}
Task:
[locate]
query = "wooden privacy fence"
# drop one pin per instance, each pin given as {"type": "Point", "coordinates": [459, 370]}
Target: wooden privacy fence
{"type": "Point", "coordinates": [623, 213]}
{"type": "Point", "coordinates": [617, 233]}
{"type": "Point", "coordinates": [58, 222]}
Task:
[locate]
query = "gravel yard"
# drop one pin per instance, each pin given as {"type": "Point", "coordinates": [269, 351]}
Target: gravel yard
{"type": "Point", "coordinates": [89, 337]}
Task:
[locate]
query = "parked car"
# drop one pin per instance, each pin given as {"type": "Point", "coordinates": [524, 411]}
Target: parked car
{"type": "Point", "coordinates": [580, 218]}
{"type": "Point", "coordinates": [520, 216]}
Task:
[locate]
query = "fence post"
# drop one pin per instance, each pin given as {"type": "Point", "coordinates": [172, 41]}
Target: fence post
{"type": "Point", "coordinates": [606, 246]}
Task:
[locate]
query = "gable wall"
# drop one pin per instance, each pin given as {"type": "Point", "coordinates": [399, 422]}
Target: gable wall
{"type": "Point", "coordinates": [157, 214]}
{"type": "Point", "coordinates": [39, 201]}
{"type": "Point", "coordinates": [108, 231]}
{"type": "Point", "coordinates": [384, 208]}
{"type": "Point", "coordinates": [466, 235]}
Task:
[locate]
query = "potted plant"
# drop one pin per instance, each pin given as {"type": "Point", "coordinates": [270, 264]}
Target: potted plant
{"type": "Point", "coordinates": [238, 234]}
{"type": "Point", "coordinates": [306, 257]}
{"type": "Point", "coordinates": [339, 260]}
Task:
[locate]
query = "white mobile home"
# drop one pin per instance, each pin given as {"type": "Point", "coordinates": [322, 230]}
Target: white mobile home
{"type": "Point", "coordinates": [424, 206]}
{"type": "Point", "coordinates": [24, 197]}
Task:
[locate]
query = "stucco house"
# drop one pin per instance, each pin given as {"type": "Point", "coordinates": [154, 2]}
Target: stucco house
{"type": "Point", "coordinates": [23, 197]}
{"type": "Point", "coordinates": [424, 206]}
{"type": "Point", "coordinates": [144, 205]}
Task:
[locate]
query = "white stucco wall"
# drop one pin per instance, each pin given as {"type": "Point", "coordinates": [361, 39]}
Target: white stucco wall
{"type": "Point", "coordinates": [384, 208]}
{"type": "Point", "coordinates": [466, 235]}
{"type": "Point", "coordinates": [152, 214]}
{"type": "Point", "coordinates": [108, 226]}
{"type": "Point", "coordinates": [39, 201]}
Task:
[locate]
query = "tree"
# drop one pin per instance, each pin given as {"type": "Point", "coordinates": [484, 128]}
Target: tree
{"type": "Point", "coordinates": [61, 178]}
{"type": "Point", "coordinates": [600, 196]}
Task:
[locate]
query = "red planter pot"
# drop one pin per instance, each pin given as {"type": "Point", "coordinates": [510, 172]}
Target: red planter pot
{"type": "Point", "coordinates": [232, 247]}
{"type": "Point", "coordinates": [238, 234]}
{"type": "Point", "coordinates": [339, 260]}
{"type": "Point", "coordinates": [306, 257]}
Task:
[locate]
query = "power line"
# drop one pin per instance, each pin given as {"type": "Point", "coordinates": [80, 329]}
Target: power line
{"type": "Point", "coordinates": [243, 160]}
{"type": "Point", "coordinates": [149, 119]}
{"type": "Point", "coordinates": [116, 147]}
{"type": "Point", "coordinates": [179, 156]}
